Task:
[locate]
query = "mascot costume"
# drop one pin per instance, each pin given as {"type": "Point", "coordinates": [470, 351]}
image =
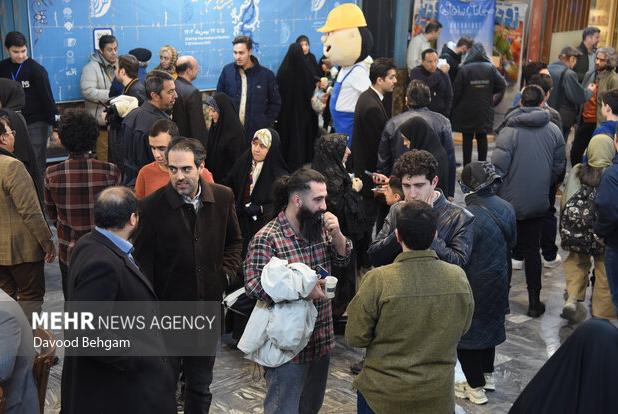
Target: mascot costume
{"type": "Point", "coordinates": [347, 43]}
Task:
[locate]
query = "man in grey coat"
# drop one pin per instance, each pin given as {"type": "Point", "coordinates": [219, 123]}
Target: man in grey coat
{"type": "Point", "coordinates": [96, 80]}
{"type": "Point", "coordinates": [530, 156]}
{"type": "Point", "coordinates": [568, 94]}
{"type": "Point", "coordinates": [16, 358]}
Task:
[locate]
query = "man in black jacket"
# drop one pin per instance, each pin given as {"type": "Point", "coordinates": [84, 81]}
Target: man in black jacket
{"type": "Point", "coordinates": [453, 53]}
{"type": "Point", "coordinates": [370, 116]}
{"type": "Point", "coordinates": [104, 270]}
{"type": "Point", "coordinates": [585, 62]}
{"type": "Point", "coordinates": [40, 110]}
{"type": "Point", "coordinates": [187, 112]}
{"type": "Point", "coordinates": [189, 244]}
{"type": "Point", "coordinates": [438, 82]}
{"type": "Point", "coordinates": [126, 73]}
{"type": "Point", "coordinates": [453, 243]}
{"type": "Point", "coordinates": [135, 151]}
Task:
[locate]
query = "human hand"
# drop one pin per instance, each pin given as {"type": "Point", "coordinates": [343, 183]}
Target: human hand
{"type": "Point", "coordinates": [379, 178]}
{"type": "Point", "coordinates": [50, 252]}
{"type": "Point", "coordinates": [357, 184]}
{"type": "Point", "coordinates": [331, 224]}
{"type": "Point", "coordinates": [54, 138]}
{"type": "Point", "coordinates": [318, 291]}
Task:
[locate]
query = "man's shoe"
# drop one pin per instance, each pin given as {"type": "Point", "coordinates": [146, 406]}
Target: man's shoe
{"type": "Point", "coordinates": [517, 264]}
{"type": "Point", "coordinates": [569, 310]}
{"type": "Point", "coordinates": [535, 307]}
{"type": "Point", "coordinates": [475, 395]}
{"type": "Point", "coordinates": [490, 381]}
{"type": "Point", "coordinates": [550, 264]}
{"type": "Point", "coordinates": [357, 367]}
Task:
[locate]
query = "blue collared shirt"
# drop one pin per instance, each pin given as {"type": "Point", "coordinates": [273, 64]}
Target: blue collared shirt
{"type": "Point", "coordinates": [124, 245]}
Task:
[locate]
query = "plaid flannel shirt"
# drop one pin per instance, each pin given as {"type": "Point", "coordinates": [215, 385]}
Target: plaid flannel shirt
{"type": "Point", "coordinates": [71, 189]}
{"type": "Point", "coordinates": [277, 238]}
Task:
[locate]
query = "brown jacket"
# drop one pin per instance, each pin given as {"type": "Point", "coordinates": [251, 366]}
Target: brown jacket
{"type": "Point", "coordinates": [189, 256]}
{"type": "Point", "coordinates": [24, 229]}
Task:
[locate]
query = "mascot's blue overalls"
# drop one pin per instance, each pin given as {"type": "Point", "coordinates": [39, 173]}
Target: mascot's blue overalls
{"type": "Point", "coordinates": [347, 43]}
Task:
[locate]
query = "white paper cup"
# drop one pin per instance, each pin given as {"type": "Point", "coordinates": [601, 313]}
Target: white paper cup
{"type": "Point", "coordinates": [330, 286]}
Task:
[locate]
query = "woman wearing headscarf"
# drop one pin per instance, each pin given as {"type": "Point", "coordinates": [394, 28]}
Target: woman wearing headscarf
{"type": "Point", "coordinates": [344, 201]}
{"type": "Point", "coordinates": [298, 123]}
{"type": "Point", "coordinates": [478, 87]}
{"type": "Point", "coordinates": [495, 233]}
{"type": "Point", "coordinates": [417, 134]}
{"type": "Point", "coordinates": [310, 59]}
{"type": "Point", "coordinates": [225, 137]}
{"type": "Point", "coordinates": [251, 178]}
{"type": "Point", "coordinates": [577, 215]}
{"type": "Point", "coordinates": [167, 60]}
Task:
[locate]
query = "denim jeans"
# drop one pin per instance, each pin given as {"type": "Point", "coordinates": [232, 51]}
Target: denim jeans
{"type": "Point", "coordinates": [611, 269]}
{"type": "Point", "coordinates": [361, 405]}
{"type": "Point", "coordinates": [296, 388]}
{"type": "Point", "coordinates": [198, 377]}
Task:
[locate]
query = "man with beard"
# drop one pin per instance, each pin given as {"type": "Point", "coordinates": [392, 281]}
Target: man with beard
{"type": "Point", "coordinates": [189, 243]}
{"type": "Point", "coordinates": [135, 151]}
{"type": "Point", "coordinates": [302, 232]}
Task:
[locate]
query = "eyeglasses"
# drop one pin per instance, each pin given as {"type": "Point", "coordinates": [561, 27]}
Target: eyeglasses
{"type": "Point", "coordinates": [10, 131]}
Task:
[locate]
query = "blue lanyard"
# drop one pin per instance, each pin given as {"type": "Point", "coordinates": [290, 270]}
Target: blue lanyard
{"type": "Point", "coordinates": [16, 74]}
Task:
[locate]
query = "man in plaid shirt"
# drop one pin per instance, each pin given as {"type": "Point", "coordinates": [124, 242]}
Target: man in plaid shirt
{"type": "Point", "coordinates": [71, 187]}
{"type": "Point", "coordinates": [302, 232]}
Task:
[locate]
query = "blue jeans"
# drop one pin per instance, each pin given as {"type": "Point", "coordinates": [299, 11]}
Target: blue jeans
{"type": "Point", "coordinates": [361, 405]}
{"type": "Point", "coordinates": [611, 269]}
{"type": "Point", "coordinates": [296, 388]}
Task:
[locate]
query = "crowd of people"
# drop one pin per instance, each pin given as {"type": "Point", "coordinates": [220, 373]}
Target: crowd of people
{"type": "Point", "coordinates": [156, 203]}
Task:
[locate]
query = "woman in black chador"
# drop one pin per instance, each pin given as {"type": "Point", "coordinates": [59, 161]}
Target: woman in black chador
{"type": "Point", "coordinates": [252, 177]}
{"type": "Point", "coordinates": [226, 136]}
{"type": "Point", "coordinates": [298, 123]}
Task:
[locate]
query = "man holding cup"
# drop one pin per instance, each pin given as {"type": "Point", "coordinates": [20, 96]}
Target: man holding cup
{"type": "Point", "coordinates": [304, 232]}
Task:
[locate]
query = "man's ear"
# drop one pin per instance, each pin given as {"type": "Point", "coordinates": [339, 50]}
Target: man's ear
{"type": "Point", "coordinates": [434, 182]}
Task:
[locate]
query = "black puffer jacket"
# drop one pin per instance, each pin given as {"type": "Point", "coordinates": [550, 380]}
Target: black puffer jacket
{"type": "Point", "coordinates": [478, 87]}
{"type": "Point", "coordinates": [453, 244]}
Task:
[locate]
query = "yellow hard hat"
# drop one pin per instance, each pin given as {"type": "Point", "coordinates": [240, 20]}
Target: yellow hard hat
{"type": "Point", "coordinates": [344, 16]}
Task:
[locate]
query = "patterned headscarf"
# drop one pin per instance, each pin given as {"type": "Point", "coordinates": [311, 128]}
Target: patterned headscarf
{"type": "Point", "coordinates": [210, 101]}
{"type": "Point", "coordinates": [264, 137]}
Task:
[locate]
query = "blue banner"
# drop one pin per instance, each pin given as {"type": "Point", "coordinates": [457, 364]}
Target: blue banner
{"type": "Point", "coordinates": [474, 18]}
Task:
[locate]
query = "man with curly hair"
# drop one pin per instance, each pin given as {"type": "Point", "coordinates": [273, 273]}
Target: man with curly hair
{"type": "Point", "coordinates": [417, 171]}
{"type": "Point", "coordinates": [72, 186]}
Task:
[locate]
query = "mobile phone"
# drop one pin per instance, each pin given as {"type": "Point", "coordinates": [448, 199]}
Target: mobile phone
{"type": "Point", "coordinates": [369, 173]}
{"type": "Point", "coordinates": [321, 271]}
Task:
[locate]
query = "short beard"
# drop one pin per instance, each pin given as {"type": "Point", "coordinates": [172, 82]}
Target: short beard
{"type": "Point", "coordinates": [311, 224]}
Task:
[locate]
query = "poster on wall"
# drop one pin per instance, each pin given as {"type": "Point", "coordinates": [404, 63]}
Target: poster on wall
{"type": "Point", "coordinates": [509, 37]}
{"type": "Point", "coordinates": [474, 18]}
{"type": "Point", "coordinates": [64, 33]}
{"type": "Point", "coordinates": [424, 11]}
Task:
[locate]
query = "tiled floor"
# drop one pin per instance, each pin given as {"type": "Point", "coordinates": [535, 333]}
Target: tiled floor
{"type": "Point", "coordinates": [238, 386]}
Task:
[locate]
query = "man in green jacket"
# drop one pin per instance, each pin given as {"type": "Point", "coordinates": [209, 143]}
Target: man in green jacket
{"type": "Point", "coordinates": [410, 316]}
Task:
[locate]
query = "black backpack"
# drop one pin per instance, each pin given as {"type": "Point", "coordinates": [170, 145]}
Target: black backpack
{"type": "Point", "coordinates": [576, 223]}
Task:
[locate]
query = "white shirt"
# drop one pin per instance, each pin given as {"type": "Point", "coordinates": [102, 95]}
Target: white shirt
{"type": "Point", "coordinates": [354, 85]}
{"type": "Point", "coordinates": [378, 92]}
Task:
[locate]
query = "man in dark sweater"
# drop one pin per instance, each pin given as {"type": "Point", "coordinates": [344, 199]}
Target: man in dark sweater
{"type": "Point", "coordinates": [134, 148]}
{"type": "Point", "coordinates": [437, 80]}
{"type": "Point", "coordinates": [40, 111]}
